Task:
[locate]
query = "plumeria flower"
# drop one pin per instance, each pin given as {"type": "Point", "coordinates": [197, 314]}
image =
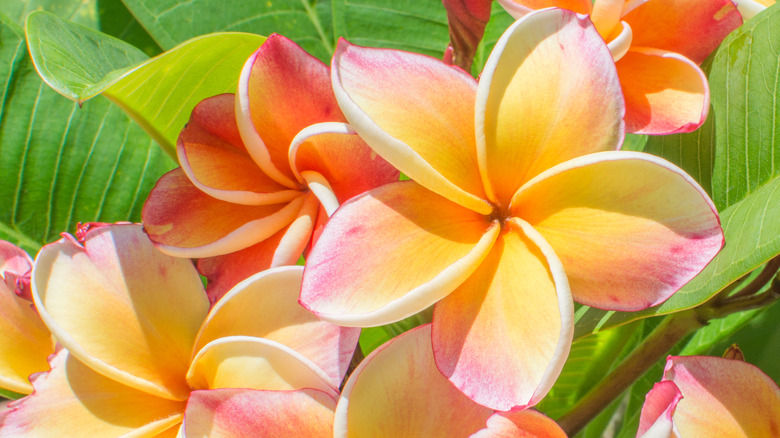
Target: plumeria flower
{"type": "Point", "coordinates": [143, 353]}
{"type": "Point", "coordinates": [25, 342]}
{"type": "Point", "coordinates": [657, 46]}
{"type": "Point", "coordinates": [749, 8]}
{"type": "Point", "coordinates": [397, 391]}
{"type": "Point", "coordinates": [519, 202]}
{"type": "Point", "coordinates": [702, 396]}
{"type": "Point", "coordinates": [242, 193]}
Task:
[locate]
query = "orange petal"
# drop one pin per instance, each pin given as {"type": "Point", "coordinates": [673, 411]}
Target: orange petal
{"type": "Point", "coordinates": [692, 28]}
{"type": "Point", "coordinates": [74, 400]}
{"type": "Point", "coordinates": [104, 303]}
{"type": "Point", "coordinates": [502, 337]}
{"type": "Point", "coordinates": [213, 156]}
{"type": "Point", "coordinates": [237, 413]}
{"type": "Point", "coordinates": [397, 391]}
{"type": "Point", "coordinates": [536, 97]}
{"type": "Point", "coordinates": [526, 423]}
{"type": "Point", "coordinates": [518, 8]}
{"type": "Point", "coordinates": [266, 306]}
{"type": "Point", "coordinates": [630, 228]}
{"type": "Point", "coordinates": [390, 253]}
{"type": "Point", "coordinates": [665, 92]}
{"type": "Point", "coordinates": [185, 222]}
{"type": "Point", "coordinates": [415, 111]}
{"type": "Point", "coordinates": [282, 90]}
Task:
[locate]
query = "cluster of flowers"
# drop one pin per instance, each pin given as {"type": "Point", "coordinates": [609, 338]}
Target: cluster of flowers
{"type": "Point", "coordinates": [518, 203]}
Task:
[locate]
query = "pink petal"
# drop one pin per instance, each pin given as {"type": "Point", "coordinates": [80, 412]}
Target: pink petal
{"type": "Point", "coordinates": [656, 420]}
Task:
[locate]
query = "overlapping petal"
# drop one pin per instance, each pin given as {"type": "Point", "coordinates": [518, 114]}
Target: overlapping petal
{"type": "Point", "coordinates": [329, 346]}
{"type": "Point", "coordinates": [526, 423]}
{"type": "Point", "coordinates": [655, 222]}
{"type": "Point", "coordinates": [402, 113]}
{"type": "Point", "coordinates": [503, 335]}
{"type": "Point", "coordinates": [531, 111]}
{"type": "Point", "coordinates": [397, 391]}
{"type": "Point", "coordinates": [74, 400]}
{"type": "Point", "coordinates": [230, 413]}
{"type": "Point", "coordinates": [664, 91]}
{"type": "Point", "coordinates": [111, 307]}
{"type": "Point", "coordinates": [356, 275]}
{"type": "Point", "coordinates": [657, 412]}
{"type": "Point", "coordinates": [518, 8]}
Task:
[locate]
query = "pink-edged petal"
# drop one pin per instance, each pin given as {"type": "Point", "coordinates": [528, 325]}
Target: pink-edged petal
{"type": "Point", "coordinates": [392, 252]}
{"type": "Point", "coordinates": [283, 248]}
{"type": "Point", "coordinates": [266, 306]}
{"type": "Point", "coordinates": [744, 400]}
{"type": "Point", "coordinates": [255, 363]}
{"type": "Point", "coordinates": [335, 154]}
{"type": "Point", "coordinates": [238, 413]}
{"type": "Point", "coordinates": [74, 400]}
{"type": "Point", "coordinates": [397, 391]}
{"type": "Point", "coordinates": [111, 304]}
{"type": "Point", "coordinates": [417, 113]}
{"type": "Point", "coordinates": [282, 90]}
{"type": "Point", "coordinates": [536, 97]}
{"type": "Point", "coordinates": [657, 412]}
{"type": "Point", "coordinates": [13, 259]}
{"type": "Point", "coordinates": [630, 228]}
{"type": "Point", "coordinates": [527, 423]}
{"type": "Point", "coordinates": [185, 222]}
{"type": "Point", "coordinates": [502, 337]}
{"type": "Point", "coordinates": [665, 92]}
{"type": "Point", "coordinates": [518, 8]}
{"type": "Point", "coordinates": [692, 28]}
{"type": "Point", "coordinates": [212, 155]}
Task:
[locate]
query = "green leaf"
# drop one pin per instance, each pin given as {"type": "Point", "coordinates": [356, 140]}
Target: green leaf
{"type": "Point", "coordinates": [745, 84]}
{"type": "Point", "coordinates": [75, 60]}
{"type": "Point", "coordinates": [116, 20]}
{"type": "Point", "coordinates": [752, 238]}
{"type": "Point", "coordinates": [373, 337]}
{"type": "Point", "coordinates": [78, 11]}
{"type": "Point", "coordinates": [60, 164]}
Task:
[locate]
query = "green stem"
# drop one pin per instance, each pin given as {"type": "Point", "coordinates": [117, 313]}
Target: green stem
{"type": "Point", "coordinates": [766, 274]}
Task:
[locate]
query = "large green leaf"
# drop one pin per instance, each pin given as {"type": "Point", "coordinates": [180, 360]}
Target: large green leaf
{"type": "Point", "coordinates": [61, 164]}
{"type": "Point", "coordinates": [745, 84]}
{"type": "Point", "coordinates": [116, 20]}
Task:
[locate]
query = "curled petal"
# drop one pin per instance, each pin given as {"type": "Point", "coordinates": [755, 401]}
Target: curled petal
{"type": "Point", "coordinates": [536, 97]}
{"type": "Point", "coordinates": [231, 413]}
{"type": "Point", "coordinates": [397, 391]}
{"type": "Point", "coordinates": [502, 337]}
{"type": "Point", "coordinates": [656, 420]}
{"type": "Point", "coordinates": [391, 253]}
{"type": "Point", "coordinates": [665, 92]}
{"type": "Point", "coordinates": [266, 306]}
{"type": "Point", "coordinates": [13, 259]}
{"type": "Point", "coordinates": [526, 423]}
{"type": "Point", "coordinates": [416, 112]}
{"type": "Point", "coordinates": [630, 228]}
{"type": "Point", "coordinates": [74, 400]}
{"type": "Point", "coordinates": [518, 8]}
{"type": "Point", "coordinates": [185, 222]}
{"type": "Point", "coordinates": [110, 304]}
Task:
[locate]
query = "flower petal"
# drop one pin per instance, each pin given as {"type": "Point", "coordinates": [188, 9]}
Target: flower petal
{"type": "Point", "coordinates": [282, 90]}
{"type": "Point", "coordinates": [111, 304]}
{"type": "Point", "coordinates": [266, 306]}
{"type": "Point", "coordinates": [502, 337]}
{"type": "Point", "coordinates": [397, 391]}
{"type": "Point", "coordinates": [526, 423]}
{"type": "Point", "coordinates": [744, 400]}
{"type": "Point", "coordinates": [236, 413]}
{"type": "Point", "coordinates": [658, 410]}
{"type": "Point", "coordinates": [518, 8]}
{"type": "Point", "coordinates": [214, 158]}
{"type": "Point", "coordinates": [283, 248]}
{"type": "Point", "coordinates": [536, 97]}
{"type": "Point", "coordinates": [417, 113]}
{"type": "Point", "coordinates": [630, 228]}
{"type": "Point", "coordinates": [692, 28]}
{"type": "Point", "coordinates": [74, 400]}
{"type": "Point", "coordinates": [391, 253]}
{"type": "Point", "coordinates": [254, 363]}
{"type": "Point", "coordinates": [665, 92]}
{"type": "Point", "coordinates": [185, 222]}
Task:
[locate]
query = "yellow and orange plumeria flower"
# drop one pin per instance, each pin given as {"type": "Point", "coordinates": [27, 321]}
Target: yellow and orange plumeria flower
{"type": "Point", "coordinates": [25, 342]}
{"type": "Point", "coordinates": [702, 396]}
{"type": "Point", "coordinates": [143, 352]}
{"type": "Point", "coordinates": [397, 391]}
{"type": "Point", "coordinates": [242, 193]}
{"type": "Point", "coordinates": [519, 202]}
{"type": "Point", "coordinates": [657, 46]}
